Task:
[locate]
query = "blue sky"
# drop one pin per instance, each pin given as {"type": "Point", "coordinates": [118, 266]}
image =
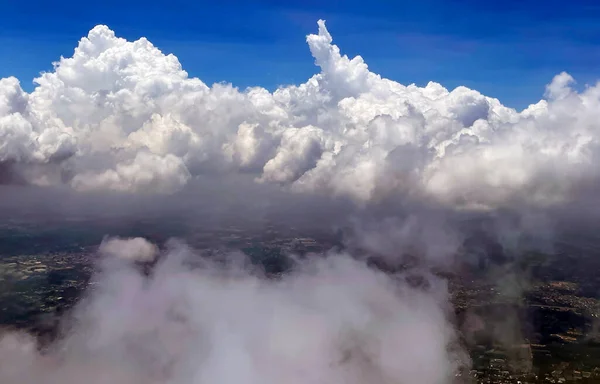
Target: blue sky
{"type": "Point", "coordinates": [505, 49]}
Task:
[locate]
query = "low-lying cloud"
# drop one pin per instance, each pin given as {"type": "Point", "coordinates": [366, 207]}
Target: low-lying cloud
{"type": "Point", "coordinates": [332, 319]}
{"type": "Point", "coordinates": [132, 249]}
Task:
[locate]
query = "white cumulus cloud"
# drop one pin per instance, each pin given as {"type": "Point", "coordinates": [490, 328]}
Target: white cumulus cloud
{"type": "Point", "coordinates": [121, 115]}
{"type": "Point", "coordinates": [133, 249]}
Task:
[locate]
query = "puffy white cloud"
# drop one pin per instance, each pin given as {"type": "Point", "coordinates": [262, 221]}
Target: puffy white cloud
{"type": "Point", "coordinates": [299, 151]}
{"type": "Point", "coordinates": [251, 148]}
{"type": "Point", "coordinates": [146, 173]}
{"type": "Point", "coordinates": [123, 116]}
{"type": "Point", "coordinates": [24, 136]}
{"type": "Point", "coordinates": [133, 249]}
{"type": "Point", "coordinates": [559, 87]}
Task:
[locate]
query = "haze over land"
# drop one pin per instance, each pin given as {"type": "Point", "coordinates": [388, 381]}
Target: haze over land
{"type": "Point", "coordinates": [119, 128]}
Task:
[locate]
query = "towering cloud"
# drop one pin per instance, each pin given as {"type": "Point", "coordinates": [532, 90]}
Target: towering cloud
{"type": "Point", "coordinates": [123, 116]}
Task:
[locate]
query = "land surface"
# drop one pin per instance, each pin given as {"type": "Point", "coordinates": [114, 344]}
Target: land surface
{"type": "Point", "coordinates": [529, 317]}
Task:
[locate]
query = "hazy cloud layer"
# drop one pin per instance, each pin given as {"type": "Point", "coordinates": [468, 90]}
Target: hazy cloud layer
{"type": "Point", "coordinates": [331, 320]}
{"type": "Point", "coordinates": [123, 116]}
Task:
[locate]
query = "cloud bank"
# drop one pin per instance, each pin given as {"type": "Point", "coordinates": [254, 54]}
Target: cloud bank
{"type": "Point", "coordinates": [122, 116]}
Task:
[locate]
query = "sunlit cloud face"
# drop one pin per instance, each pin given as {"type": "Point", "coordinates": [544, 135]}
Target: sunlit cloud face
{"type": "Point", "coordinates": [122, 116]}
